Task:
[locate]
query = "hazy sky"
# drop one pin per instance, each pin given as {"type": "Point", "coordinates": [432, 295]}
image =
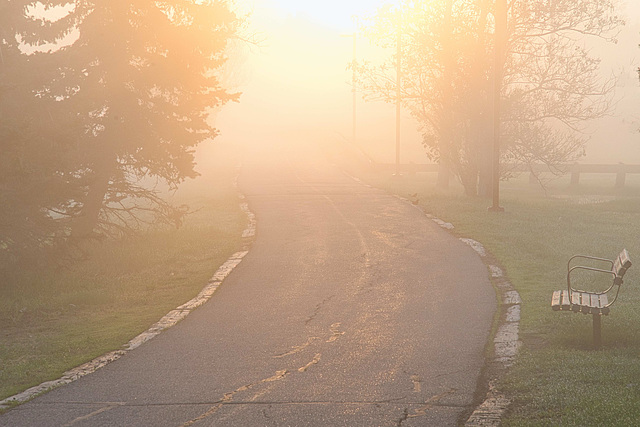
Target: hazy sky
{"type": "Point", "coordinates": [297, 79]}
{"type": "Point", "coordinates": [296, 83]}
{"type": "Point", "coordinates": [337, 14]}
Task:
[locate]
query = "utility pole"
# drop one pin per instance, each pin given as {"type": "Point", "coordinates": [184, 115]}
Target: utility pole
{"type": "Point", "coordinates": [398, 90]}
{"type": "Point", "coordinates": [353, 81]}
{"type": "Point", "coordinates": [500, 35]}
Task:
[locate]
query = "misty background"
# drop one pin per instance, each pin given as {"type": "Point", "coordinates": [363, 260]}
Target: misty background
{"type": "Point", "coordinates": [122, 126]}
{"type": "Point", "coordinates": [298, 75]}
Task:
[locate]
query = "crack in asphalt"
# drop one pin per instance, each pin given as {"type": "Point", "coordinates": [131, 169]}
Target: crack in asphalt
{"type": "Point", "coordinates": [279, 375]}
{"type": "Point", "coordinates": [403, 418]}
{"type": "Point", "coordinates": [428, 404]}
{"type": "Point", "coordinates": [93, 414]}
{"type": "Point", "coordinates": [318, 308]}
{"type": "Point", "coordinates": [393, 401]}
{"type": "Point", "coordinates": [336, 333]}
{"type": "Point", "coordinates": [229, 396]}
{"type": "Point", "coordinates": [227, 400]}
{"type": "Point", "coordinates": [315, 360]}
{"type": "Point", "coordinates": [297, 348]}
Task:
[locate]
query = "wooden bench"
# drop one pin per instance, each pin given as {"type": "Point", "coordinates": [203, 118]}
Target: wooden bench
{"type": "Point", "coordinates": [594, 303]}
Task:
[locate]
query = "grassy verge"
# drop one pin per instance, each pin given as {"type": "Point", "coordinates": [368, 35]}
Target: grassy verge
{"type": "Point", "coordinates": [558, 379]}
{"type": "Point", "coordinates": [51, 321]}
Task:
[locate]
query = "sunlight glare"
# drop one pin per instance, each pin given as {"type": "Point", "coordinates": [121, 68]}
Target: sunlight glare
{"type": "Point", "coordinates": [338, 14]}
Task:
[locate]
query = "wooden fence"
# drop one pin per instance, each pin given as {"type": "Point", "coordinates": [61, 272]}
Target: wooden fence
{"type": "Point", "coordinates": [620, 170]}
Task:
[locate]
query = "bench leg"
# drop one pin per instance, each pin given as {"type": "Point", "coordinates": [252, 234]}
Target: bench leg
{"type": "Point", "coordinates": [597, 331]}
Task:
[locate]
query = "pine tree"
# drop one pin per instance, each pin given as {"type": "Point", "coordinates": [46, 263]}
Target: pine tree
{"type": "Point", "coordinates": [33, 185]}
{"type": "Point", "coordinates": [134, 89]}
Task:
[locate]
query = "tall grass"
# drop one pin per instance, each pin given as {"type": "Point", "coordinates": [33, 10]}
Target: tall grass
{"type": "Point", "coordinates": [558, 378]}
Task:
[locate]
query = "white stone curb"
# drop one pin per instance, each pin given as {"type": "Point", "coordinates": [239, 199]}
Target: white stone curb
{"type": "Point", "coordinates": [441, 223]}
{"type": "Point", "coordinates": [505, 346]}
{"type": "Point", "coordinates": [506, 341]}
{"type": "Point", "coordinates": [476, 246]}
{"type": "Point", "coordinates": [489, 413]}
{"type": "Point", "coordinates": [166, 322]}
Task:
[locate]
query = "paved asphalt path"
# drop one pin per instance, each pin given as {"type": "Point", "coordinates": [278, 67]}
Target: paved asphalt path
{"type": "Point", "coordinates": [351, 309]}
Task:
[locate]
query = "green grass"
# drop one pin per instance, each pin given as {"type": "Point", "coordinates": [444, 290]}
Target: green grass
{"type": "Point", "coordinates": [56, 319]}
{"type": "Point", "coordinates": [558, 378]}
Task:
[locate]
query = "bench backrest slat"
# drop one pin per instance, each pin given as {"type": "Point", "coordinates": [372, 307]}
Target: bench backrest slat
{"type": "Point", "coordinates": [621, 264]}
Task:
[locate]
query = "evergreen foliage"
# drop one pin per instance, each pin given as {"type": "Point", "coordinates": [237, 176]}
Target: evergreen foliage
{"type": "Point", "coordinates": [102, 105]}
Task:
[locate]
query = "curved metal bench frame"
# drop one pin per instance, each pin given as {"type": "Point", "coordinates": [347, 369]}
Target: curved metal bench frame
{"type": "Point", "coordinates": [589, 302]}
{"type": "Point", "coordinates": [616, 279]}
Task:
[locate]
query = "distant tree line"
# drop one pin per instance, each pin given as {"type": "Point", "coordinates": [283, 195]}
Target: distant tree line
{"type": "Point", "coordinates": [549, 82]}
{"type": "Point", "coordinates": [90, 127]}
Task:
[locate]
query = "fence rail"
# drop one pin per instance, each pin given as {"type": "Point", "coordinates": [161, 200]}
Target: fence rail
{"type": "Point", "coordinates": [620, 170]}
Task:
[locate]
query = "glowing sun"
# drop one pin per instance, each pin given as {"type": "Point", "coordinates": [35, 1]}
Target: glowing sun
{"type": "Point", "coordinates": [333, 13]}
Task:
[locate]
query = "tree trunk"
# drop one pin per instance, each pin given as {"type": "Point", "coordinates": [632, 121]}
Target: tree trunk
{"type": "Point", "coordinates": [485, 158]}
{"type": "Point", "coordinates": [485, 187]}
{"type": "Point", "coordinates": [444, 176]}
{"type": "Point", "coordinates": [483, 118]}
{"type": "Point", "coordinates": [469, 179]}
{"type": "Point", "coordinates": [85, 223]}
{"type": "Point", "coordinates": [447, 156]}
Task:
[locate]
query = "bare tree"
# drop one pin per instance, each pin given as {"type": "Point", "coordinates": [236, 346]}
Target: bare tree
{"type": "Point", "coordinates": [550, 83]}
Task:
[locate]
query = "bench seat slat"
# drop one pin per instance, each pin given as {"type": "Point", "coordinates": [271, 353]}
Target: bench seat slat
{"type": "Point", "coordinates": [581, 302]}
{"type": "Point", "coordinates": [575, 301]}
{"type": "Point", "coordinates": [585, 303]}
{"type": "Point", "coordinates": [564, 300]}
{"type": "Point", "coordinates": [560, 300]}
{"type": "Point", "coordinates": [555, 300]}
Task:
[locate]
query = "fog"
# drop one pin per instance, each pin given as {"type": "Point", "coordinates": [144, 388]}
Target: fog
{"type": "Point", "coordinates": [290, 61]}
{"type": "Point", "coordinates": [341, 308]}
{"type": "Point", "coordinates": [296, 87]}
{"type": "Point", "coordinates": [616, 138]}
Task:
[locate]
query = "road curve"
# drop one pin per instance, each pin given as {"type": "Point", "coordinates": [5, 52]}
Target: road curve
{"type": "Point", "coordinates": [351, 309]}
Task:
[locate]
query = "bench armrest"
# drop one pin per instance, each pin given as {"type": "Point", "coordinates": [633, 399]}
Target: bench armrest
{"type": "Point", "coordinates": [610, 262]}
{"type": "Point", "coordinates": [597, 270]}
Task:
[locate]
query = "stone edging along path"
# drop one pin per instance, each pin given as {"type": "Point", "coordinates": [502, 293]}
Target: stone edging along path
{"type": "Point", "coordinates": [169, 320]}
{"type": "Point", "coordinates": [506, 340]}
